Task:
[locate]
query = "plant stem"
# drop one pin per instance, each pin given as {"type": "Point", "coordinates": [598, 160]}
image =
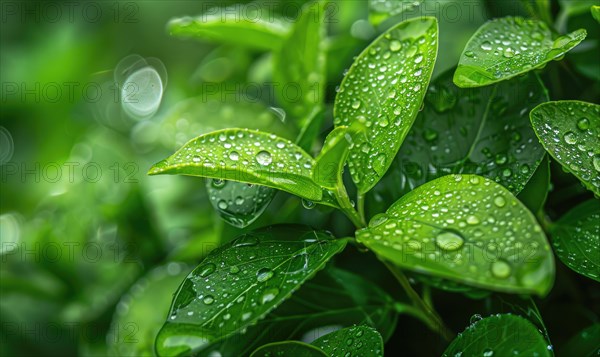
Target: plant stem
{"type": "Point", "coordinates": [360, 204]}
{"type": "Point", "coordinates": [434, 321]}
{"type": "Point", "coordinates": [348, 208]}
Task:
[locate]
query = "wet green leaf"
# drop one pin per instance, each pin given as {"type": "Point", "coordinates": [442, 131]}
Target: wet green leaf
{"type": "Point", "coordinates": [247, 26]}
{"type": "Point", "coordinates": [596, 12]}
{"type": "Point", "coordinates": [383, 90]}
{"type": "Point", "coordinates": [352, 341]}
{"type": "Point", "coordinates": [241, 282]}
{"type": "Point", "coordinates": [484, 131]}
{"type": "Point", "coordinates": [288, 348]}
{"type": "Point", "coordinates": [138, 318]}
{"type": "Point", "coordinates": [246, 156]}
{"type": "Point", "coordinates": [576, 239]}
{"type": "Point", "coordinates": [500, 335]}
{"type": "Point", "coordinates": [381, 10]}
{"type": "Point", "coordinates": [584, 343]}
{"type": "Point", "coordinates": [570, 132]}
{"type": "Point", "coordinates": [333, 298]}
{"type": "Point", "coordinates": [299, 66]}
{"type": "Point", "coordinates": [238, 203]}
{"type": "Point", "coordinates": [506, 47]}
{"type": "Point", "coordinates": [468, 229]}
{"type": "Point", "coordinates": [330, 162]}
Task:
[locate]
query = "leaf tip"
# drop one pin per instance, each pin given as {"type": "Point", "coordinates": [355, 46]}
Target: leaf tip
{"type": "Point", "coordinates": [158, 168]}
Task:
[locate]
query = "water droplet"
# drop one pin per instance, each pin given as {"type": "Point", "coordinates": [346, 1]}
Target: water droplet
{"type": "Point", "coordinates": [208, 299]}
{"type": "Point", "coordinates": [488, 352]}
{"type": "Point", "coordinates": [218, 183]}
{"type": "Point", "coordinates": [449, 240]}
{"type": "Point", "coordinates": [308, 204]}
{"type": "Point", "coordinates": [499, 201]}
{"type": "Point", "coordinates": [470, 54]}
{"type": "Point", "coordinates": [264, 158]}
{"type": "Point", "coordinates": [395, 46]}
{"type": "Point", "coordinates": [268, 295]}
{"type": "Point", "coordinates": [234, 269]}
{"type": "Point", "coordinates": [486, 46]}
{"type": "Point", "coordinates": [356, 104]}
{"type": "Point", "coordinates": [430, 134]}
{"type": "Point", "coordinates": [222, 204]}
{"type": "Point", "coordinates": [378, 219]}
{"type": "Point", "coordinates": [475, 319]}
{"type": "Point", "coordinates": [264, 274]}
{"type": "Point", "coordinates": [234, 156]}
{"type": "Point", "coordinates": [246, 240]}
{"type": "Point", "coordinates": [570, 138]}
{"type": "Point", "coordinates": [501, 269]}
{"type": "Point", "coordinates": [207, 269]}
{"type": "Point", "coordinates": [509, 52]}
{"type": "Point", "coordinates": [473, 220]}
{"type": "Point", "coordinates": [596, 162]}
{"type": "Point", "coordinates": [196, 159]}
{"type": "Point", "coordinates": [583, 123]}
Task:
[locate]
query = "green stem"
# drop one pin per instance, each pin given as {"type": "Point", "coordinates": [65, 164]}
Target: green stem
{"type": "Point", "coordinates": [360, 203]}
{"type": "Point", "coordinates": [434, 321]}
{"type": "Point", "coordinates": [348, 208]}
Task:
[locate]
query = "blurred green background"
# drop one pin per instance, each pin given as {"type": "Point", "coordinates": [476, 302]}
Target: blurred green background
{"type": "Point", "coordinates": [91, 248]}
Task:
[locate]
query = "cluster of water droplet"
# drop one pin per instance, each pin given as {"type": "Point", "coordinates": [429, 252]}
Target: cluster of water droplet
{"type": "Point", "coordinates": [463, 225]}
{"type": "Point", "coordinates": [353, 341]}
{"type": "Point", "coordinates": [570, 131]}
{"type": "Point", "coordinates": [383, 90]}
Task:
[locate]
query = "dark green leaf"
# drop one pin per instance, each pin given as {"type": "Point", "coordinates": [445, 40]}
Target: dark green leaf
{"type": "Point", "coordinates": [500, 335]}
{"type": "Point", "coordinates": [241, 282]}
{"type": "Point", "coordinates": [596, 12]}
{"type": "Point", "coordinates": [383, 90]}
{"type": "Point", "coordinates": [381, 10]}
{"type": "Point", "coordinates": [570, 132]}
{"type": "Point", "coordinates": [238, 203]}
{"type": "Point", "coordinates": [504, 48]}
{"type": "Point", "coordinates": [246, 156]}
{"type": "Point", "coordinates": [534, 194]}
{"type": "Point", "coordinates": [244, 26]}
{"type": "Point", "coordinates": [288, 348]}
{"type": "Point", "coordinates": [484, 131]}
{"type": "Point", "coordinates": [584, 343]}
{"type": "Point", "coordinates": [299, 66]}
{"type": "Point", "coordinates": [333, 298]}
{"type": "Point", "coordinates": [352, 341]}
{"type": "Point", "coordinates": [576, 239]}
{"type": "Point", "coordinates": [468, 229]}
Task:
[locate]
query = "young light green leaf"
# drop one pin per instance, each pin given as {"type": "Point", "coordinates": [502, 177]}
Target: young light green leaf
{"type": "Point", "coordinates": [468, 229]}
{"type": "Point", "coordinates": [138, 318]}
{"type": "Point", "coordinates": [500, 335]}
{"type": "Point", "coordinates": [246, 156]}
{"type": "Point", "coordinates": [535, 193]}
{"type": "Point", "coordinates": [330, 162]}
{"type": "Point", "coordinates": [288, 348]}
{"type": "Point", "coordinates": [570, 132]}
{"type": "Point", "coordinates": [576, 239]}
{"type": "Point", "coordinates": [246, 26]}
{"type": "Point", "coordinates": [240, 282]}
{"type": "Point", "coordinates": [334, 297]}
{"type": "Point", "coordinates": [238, 203]}
{"type": "Point", "coordinates": [381, 10]}
{"type": "Point", "coordinates": [351, 341]}
{"type": "Point", "coordinates": [506, 47]}
{"type": "Point", "coordinates": [299, 66]}
{"type": "Point", "coordinates": [310, 131]}
{"type": "Point", "coordinates": [484, 131]}
{"type": "Point", "coordinates": [383, 90]}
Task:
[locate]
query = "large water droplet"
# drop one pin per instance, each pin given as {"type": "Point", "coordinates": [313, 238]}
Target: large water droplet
{"type": "Point", "coordinates": [208, 299]}
{"type": "Point", "coordinates": [264, 274]}
{"type": "Point", "coordinates": [268, 295]}
{"type": "Point", "coordinates": [264, 158]}
{"type": "Point", "coordinates": [449, 240]}
{"type": "Point", "coordinates": [486, 46]}
{"type": "Point", "coordinates": [583, 124]}
{"type": "Point", "coordinates": [570, 138]}
{"type": "Point", "coordinates": [501, 269]}
{"type": "Point", "coordinates": [206, 270]}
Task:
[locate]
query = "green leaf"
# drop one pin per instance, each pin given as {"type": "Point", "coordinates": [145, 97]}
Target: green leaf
{"type": "Point", "coordinates": [330, 162]}
{"type": "Point", "coordinates": [506, 47]}
{"type": "Point", "coordinates": [241, 282]}
{"type": "Point", "coordinates": [246, 156]}
{"type": "Point", "coordinates": [500, 335]}
{"type": "Point", "coordinates": [468, 229]}
{"type": "Point", "coordinates": [535, 193]}
{"type": "Point", "coordinates": [596, 12]}
{"type": "Point", "coordinates": [299, 66]}
{"type": "Point", "coordinates": [237, 203]}
{"type": "Point", "coordinates": [484, 131]}
{"type": "Point", "coordinates": [381, 10]}
{"type": "Point", "coordinates": [570, 132]}
{"type": "Point", "coordinates": [140, 313]}
{"type": "Point", "coordinates": [210, 112]}
{"type": "Point", "coordinates": [247, 26]}
{"type": "Point", "coordinates": [288, 348]}
{"type": "Point", "coordinates": [584, 343]}
{"type": "Point", "coordinates": [310, 131]}
{"type": "Point", "coordinates": [352, 341]}
{"type": "Point", "coordinates": [576, 239]}
{"type": "Point", "coordinates": [383, 90]}
{"type": "Point", "coordinates": [334, 297]}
